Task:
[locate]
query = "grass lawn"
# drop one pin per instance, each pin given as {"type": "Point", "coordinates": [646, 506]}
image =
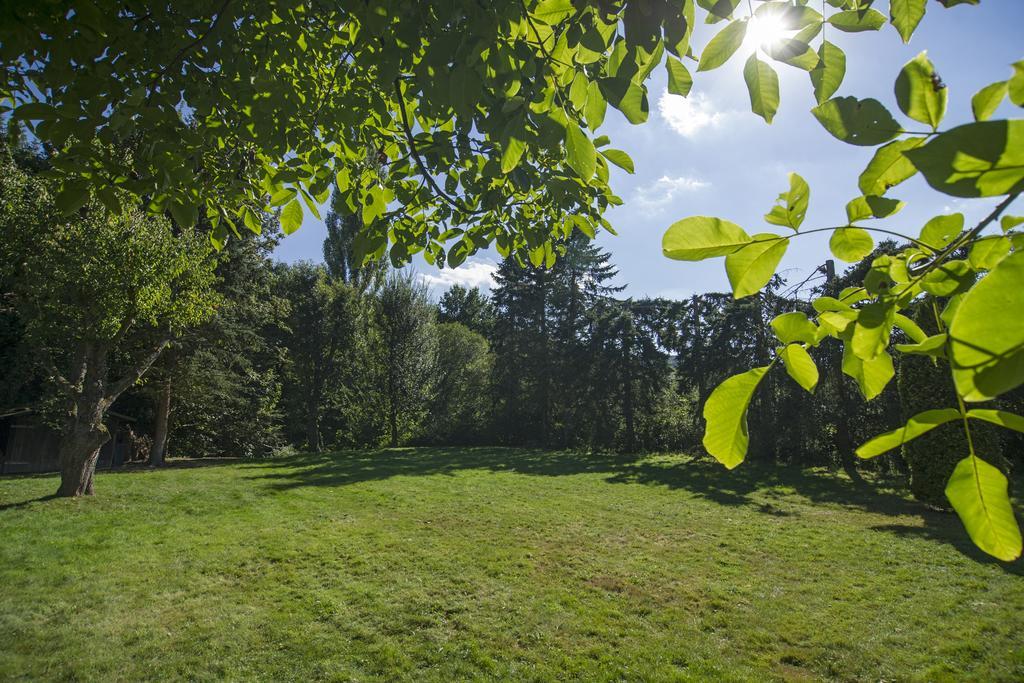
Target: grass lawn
{"type": "Point", "coordinates": [455, 564]}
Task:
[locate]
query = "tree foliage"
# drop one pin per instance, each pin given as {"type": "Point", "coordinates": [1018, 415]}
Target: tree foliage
{"type": "Point", "coordinates": [968, 281]}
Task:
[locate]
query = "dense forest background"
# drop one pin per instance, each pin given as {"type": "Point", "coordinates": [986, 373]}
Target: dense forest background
{"type": "Point", "coordinates": [340, 354]}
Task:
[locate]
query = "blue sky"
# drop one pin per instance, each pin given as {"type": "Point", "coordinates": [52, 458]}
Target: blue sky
{"type": "Point", "coordinates": [707, 154]}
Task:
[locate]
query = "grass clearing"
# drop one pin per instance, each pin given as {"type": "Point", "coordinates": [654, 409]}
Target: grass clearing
{"type": "Point", "coordinates": [484, 563]}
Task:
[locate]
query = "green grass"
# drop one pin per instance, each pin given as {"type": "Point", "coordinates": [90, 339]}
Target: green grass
{"type": "Point", "coordinates": [454, 564]}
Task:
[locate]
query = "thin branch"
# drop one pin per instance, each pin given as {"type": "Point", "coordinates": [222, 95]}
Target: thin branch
{"type": "Point", "coordinates": [183, 51]}
{"type": "Point", "coordinates": [136, 373]}
{"type": "Point", "coordinates": [419, 162]}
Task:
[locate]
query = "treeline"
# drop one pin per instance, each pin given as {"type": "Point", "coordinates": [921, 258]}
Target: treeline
{"type": "Point", "coordinates": [341, 354]}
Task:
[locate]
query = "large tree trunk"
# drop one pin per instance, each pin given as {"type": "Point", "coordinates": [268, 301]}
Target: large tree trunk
{"type": "Point", "coordinates": [163, 413]}
{"type": "Point", "coordinates": [79, 450]}
{"type": "Point", "coordinates": [89, 398]}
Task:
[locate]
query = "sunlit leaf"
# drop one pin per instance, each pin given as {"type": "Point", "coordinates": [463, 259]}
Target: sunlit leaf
{"type": "Point", "coordinates": [828, 75]}
{"type": "Point", "coordinates": [619, 158]}
{"type": "Point", "coordinates": [905, 15]}
{"type": "Point", "coordinates": [596, 106]}
{"type": "Point", "coordinates": [978, 493]}
{"type": "Point", "coordinates": [889, 167]}
{"type": "Point", "coordinates": [700, 237]}
{"type": "Point", "coordinates": [922, 423]}
{"type": "Point", "coordinates": [987, 100]}
{"type": "Point", "coordinates": [791, 207]}
{"type": "Point", "coordinates": [752, 266]}
{"type": "Point", "coordinates": [981, 159]}
{"type": "Point", "coordinates": [987, 252]}
{"type": "Point", "coordinates": [794, 327]}
{"type": "Point", "coordinates": [723, 45]}
{"type": "Point", "coordinates": [998, 417]}
{"type": "Point", "coordinates": [763, 87]}
{"type": "Point", "coordinates": [580, 152]}
{"type": "Point", "coordinates": [851, 244]}
{"type": "Point", "coordinates": [920, 93]}
{"type": "Point", "coordinates": [800, 366]}
{"type": "Point", "coordinates": [855, 21]}
{"type": "Point", "coordinates": [872, 376]}
{"type": "Point", "coordinates": [725, 412]}
{"type": "Point", "coordinates": [857, 122]}
{"type": "Point", "coordinates": [679, 79]}
{"type": "Point", "coordinates": [986, 349]}
{"type": "Point", "coordinates": [291, 217]}
{"type": "Point", "coordinates": [941, 230]}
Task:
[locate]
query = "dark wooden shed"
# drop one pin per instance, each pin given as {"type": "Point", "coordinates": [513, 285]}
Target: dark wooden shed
{"type": "Point", "coordinates": [27, 445]}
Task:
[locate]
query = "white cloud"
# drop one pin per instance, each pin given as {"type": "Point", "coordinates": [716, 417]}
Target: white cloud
{"type": "Point", "coordinates": [689, 115]}
{"type": "Point", "coordinates": [472, 273]}
{"type": "Point", "coordinates": [654, 198]}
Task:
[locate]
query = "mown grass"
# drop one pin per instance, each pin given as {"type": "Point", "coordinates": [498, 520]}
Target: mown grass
{"type": "Point", "coordinates": [455, 564]}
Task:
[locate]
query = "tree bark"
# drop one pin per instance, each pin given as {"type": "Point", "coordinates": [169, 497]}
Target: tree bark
{"type": "Point", "coordinates": [79, 450]}
{"type": "Point", "coordinates": [160, 429]}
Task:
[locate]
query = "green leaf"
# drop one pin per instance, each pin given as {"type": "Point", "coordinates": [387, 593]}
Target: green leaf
{"type": "Point", "coordinates": [763, 86]}
{"type": "Point", "coordinates": [1009, 222]}
{"type": "Point", "coordinates": [987, 100]}
{"type": "Point", "coordinates": [619, 158]}
{"type": "Point", "coordinates": [922, 423]}
{"type": "Point", "coordinates": [855, 21]}
{"type": "Point", "coordinates": [36, 111]}
{"type": "Point", "coordinates": [725, 412]}
{"type": "Point", "coordinates": [800, 366]}
{"type": "Point", "coordinates": [872, 376]}
{"type": "Point", "coordinates": [699, 237]}
{"type": "Point", "coordinates": [580, 151]}
{"type": "Point", "coordinates": [73, 196]}
{"type": "Point", "coordinates": [553, 11]}
{"type": "Point", "coordinates": [941, 230]}
{"type": "Point", "coordinates": [889, 167]}
{"type": "Point", "coordinates": [596, 106]}
{"type": "Point", "coordinates": [723, 45]}
{"type": "Point", "coordinates": [791, 207]}
{"type": "Point", "coordinates": [948, 278]}
{"type": "Point", "coordinates": [931, 346]}
{"type": "Point", "coordinates": [828, 75]}
{"type": "Point", "coordinates": [511, 153]}
{"type": "Point", "coordinates": [679, 79]}
{"type": "Point", "coordinates": [910, 328]}
{"type": "Point", "coordinates": [872, 207]}
{"type": "Point", "coordinates": [987, 252]}
{"type": "Point", "coordinates": [628, 97]}
{"type": "Point", "coordinates": [751, 267]}
{"type": "Point", "coordinates": [1015, 86]}
{"type": "Point", "coordinates": [872, 330]}
{"type": "Point", "coordinates": [978, 493]}
{"type": "Point", "coordinates": [986, 350]}
{"type": "Point", "coordinates": [905, 15]}
{"type": "Point", "coordinates": [982, 159]}
{"type": "Point", "coordinates": [794, 327]}
{"type": "Point", "coordinates": [857, 122]}
{"type": "Point", "coordinates": [998, 417]}
{"type": "Point", "coordinates": [793, 52]}
{"type": "Point", "coordinates": [920, 93]}
{"type": "Point", "coordinates": [851, 244]}
{"type": "Point", "coordinates": [291, 217]}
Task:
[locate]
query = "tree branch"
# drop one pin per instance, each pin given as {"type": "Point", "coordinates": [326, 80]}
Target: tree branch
{"type": "Point", "coordinates": [136, 373]}
{"type": "Point", "coordinates": [419, 162]}
{"type": "Point", "coordinates": [181, 53]}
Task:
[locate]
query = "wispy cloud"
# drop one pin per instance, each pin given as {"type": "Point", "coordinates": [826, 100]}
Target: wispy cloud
{"type": "Point", "coordinates": [690, 115]}
{"type": "Point", "coordinates": [472, 273]}
{"type": "Point", "coordinates": [654, 198]}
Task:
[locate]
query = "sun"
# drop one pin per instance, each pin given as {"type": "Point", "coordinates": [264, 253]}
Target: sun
{"type": "Point", "coordinates": [766, 31]}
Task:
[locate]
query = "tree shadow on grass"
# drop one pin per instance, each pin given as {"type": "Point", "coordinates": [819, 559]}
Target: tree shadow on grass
{"type": "Point", "coordinates": [699, 477]}
{"type": "Point", "coordinates": [767, 489]}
